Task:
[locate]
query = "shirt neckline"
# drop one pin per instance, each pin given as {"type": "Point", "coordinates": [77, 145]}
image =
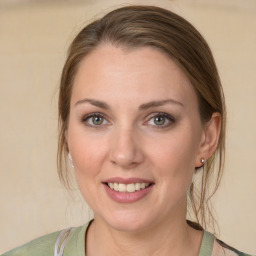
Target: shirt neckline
{"type": "Point", "coordinates": [206, 246]}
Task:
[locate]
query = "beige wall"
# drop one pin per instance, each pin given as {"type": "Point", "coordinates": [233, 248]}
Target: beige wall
{"type": "Point", "coordinates": [33, 42]}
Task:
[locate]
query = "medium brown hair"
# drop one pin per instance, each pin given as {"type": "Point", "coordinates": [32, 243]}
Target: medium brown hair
{"type": "Point", "coordinates": [137, 26]}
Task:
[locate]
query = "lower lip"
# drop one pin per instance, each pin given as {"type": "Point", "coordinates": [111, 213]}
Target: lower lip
{"type": "Point", "coordinates": [125, 197]}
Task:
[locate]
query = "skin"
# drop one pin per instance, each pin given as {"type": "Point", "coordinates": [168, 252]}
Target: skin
{"type": "Point", "coordinates": [130, 143]}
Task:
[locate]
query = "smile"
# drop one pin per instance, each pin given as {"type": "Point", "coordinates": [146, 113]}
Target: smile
{"type": "Point", "coordinates": [128, 188]}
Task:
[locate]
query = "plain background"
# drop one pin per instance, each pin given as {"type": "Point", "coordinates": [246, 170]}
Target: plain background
{"type": "Point", "coordinates": [33, 41]}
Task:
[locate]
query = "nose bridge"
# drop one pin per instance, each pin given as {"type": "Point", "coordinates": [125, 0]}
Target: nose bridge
{"type": "Point", "coordinates": [125, 149]}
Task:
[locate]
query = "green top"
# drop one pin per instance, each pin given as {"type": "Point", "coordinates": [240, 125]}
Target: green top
{"type": "Point", "coordinates": [45, 245]}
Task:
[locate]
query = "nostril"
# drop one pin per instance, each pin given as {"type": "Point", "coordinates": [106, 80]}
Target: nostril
{"type": "Point", "coordinates": [125, 151]}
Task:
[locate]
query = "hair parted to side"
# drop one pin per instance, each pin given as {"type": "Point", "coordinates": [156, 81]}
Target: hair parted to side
{"type": "Point", "coordinates": [137, 26]}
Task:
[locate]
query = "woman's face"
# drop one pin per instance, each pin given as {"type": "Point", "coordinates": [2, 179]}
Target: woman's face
{"type": "Point", "coordinates": [134, 135]}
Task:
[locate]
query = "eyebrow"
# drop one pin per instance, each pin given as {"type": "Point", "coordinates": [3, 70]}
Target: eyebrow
{"type": "Point", "coordinates": [144, 106]}
{"type": "Point", "coordinates": [159, 103]}
{"type": "Point", "coordinates": [96, 103]}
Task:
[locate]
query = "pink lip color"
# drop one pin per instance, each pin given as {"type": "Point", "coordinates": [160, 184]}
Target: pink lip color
{"type": "Point", "coordinates": [125, 197]}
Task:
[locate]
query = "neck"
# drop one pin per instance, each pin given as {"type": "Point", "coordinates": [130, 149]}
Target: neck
{"type": "Point", "coordinates": [168, 238]}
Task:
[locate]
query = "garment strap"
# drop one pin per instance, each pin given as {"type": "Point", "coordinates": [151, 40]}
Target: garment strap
{"type": "Point", "coordinates": [207, 244]}
{"type": "Point", "coordinates": [61, 241]}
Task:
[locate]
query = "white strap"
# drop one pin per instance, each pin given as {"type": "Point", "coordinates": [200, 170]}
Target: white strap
{"type": "Point", "coordinates": [62, 241]}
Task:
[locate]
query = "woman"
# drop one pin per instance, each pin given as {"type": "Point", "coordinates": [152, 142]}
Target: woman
{"type": "Point", "coordinates": [142, 118]}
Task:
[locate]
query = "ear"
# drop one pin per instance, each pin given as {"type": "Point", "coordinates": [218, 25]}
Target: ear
{"type": "Point", "coordinates": [209, 140]}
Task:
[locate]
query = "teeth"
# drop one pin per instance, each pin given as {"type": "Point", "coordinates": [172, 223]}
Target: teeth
{"type": "Point", "coordinates": [137, 186]}
{"type": "Point", "coordinates": [132, 187]}
{"type": "Point", "coordinates": [122, 187]}
{"type": "Point", "coordinates": [115, 186]}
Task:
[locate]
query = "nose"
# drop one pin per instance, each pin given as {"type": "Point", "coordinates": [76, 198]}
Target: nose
{"type": "Point", "coordinates": [126, 150]}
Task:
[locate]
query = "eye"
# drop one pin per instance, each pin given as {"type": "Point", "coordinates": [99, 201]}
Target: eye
{"type": "Point", "coordinates": [161, 120]}
{"type": "Point", "coordinates": [95, 119]}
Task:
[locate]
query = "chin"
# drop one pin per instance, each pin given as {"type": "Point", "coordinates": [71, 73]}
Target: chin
{"type": "Point", "coordinates": [129, 221]}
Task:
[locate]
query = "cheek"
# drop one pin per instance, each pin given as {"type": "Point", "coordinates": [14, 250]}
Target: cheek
{"type": "Point", "coordinates": [174, 158]}
{"type": "Point", "coordinates": [88, 152]}
{"type": "Point", "coordinates": [176, 151]}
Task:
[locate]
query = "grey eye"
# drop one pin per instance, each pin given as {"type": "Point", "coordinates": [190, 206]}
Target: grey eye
{"type": "Point", "coordinates": [97, 120]}
{"type": "Point", "coordinates": [159, 120]}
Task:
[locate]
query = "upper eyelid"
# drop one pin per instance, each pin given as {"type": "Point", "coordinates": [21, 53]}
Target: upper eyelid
{"type": "Point", "coordinates": [94, 114]}
{"type": "Point", "coordinates": [170, 118]}
{"type": "Point", "coordinates": [161, 114]}
{"type": "Point", "coordinates": [87, 116]}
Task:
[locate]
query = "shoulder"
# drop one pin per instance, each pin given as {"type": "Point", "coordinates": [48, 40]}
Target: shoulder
{"type": "Point", "coordinates": [222, 249]}
{"type": "Point", "coordinates": [41, 246]}
{"type": "Point", "coordinates": [212, 246]}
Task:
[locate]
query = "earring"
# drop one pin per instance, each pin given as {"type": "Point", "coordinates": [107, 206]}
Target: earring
{"type": "Point", "coordinates": [70, 160]}
{"type": "Point", "coordinates": [202, 161]}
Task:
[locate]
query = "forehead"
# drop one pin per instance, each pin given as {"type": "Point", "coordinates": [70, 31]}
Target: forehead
{"type": "Point", "coordinates": [112, 72]}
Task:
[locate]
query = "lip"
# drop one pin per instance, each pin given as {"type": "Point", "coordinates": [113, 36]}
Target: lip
{"type": "Point", "coordinates": [127, 181]}
{"type": "Point", "coordinates": [126, 197]}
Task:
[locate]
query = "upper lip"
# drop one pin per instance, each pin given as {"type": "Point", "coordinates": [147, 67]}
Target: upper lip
{"type": "Point", "coordinates": [127, 180]}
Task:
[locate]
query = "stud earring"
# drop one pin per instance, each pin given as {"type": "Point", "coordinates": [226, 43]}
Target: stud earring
{"type": "Point", "coordinates": [70, 160]}
{"type": "Point", "coordinates": [202, 161]}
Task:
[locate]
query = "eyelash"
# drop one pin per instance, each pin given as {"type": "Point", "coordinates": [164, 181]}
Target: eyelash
{"type": "Point", "coordinates": [170, 119]}
{"type": "Point", "coordinates": [91, 115]}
